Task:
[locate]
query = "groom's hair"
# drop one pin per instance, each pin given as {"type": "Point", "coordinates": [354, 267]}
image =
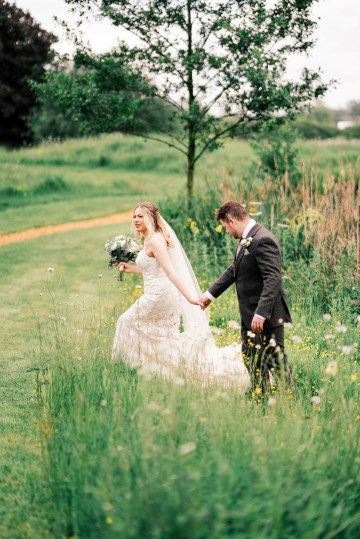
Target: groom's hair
{"type": "Point", "coordinates": [231, 209]}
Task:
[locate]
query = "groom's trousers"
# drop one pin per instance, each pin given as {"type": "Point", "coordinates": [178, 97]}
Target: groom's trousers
{"type": "Point", "coordinates": [263, 353]}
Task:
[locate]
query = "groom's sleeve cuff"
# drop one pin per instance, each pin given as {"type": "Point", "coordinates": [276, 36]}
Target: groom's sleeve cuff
{"type": "Point", "coordinates": [210, 296]}
{"type": "Point", "coordinates": [259, 316]}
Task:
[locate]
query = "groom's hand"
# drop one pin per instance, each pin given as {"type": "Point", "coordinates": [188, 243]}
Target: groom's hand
{"type": "Point", "coordinates": [257, 324]}
{"type": "Point", "coordinates": [204, 301]}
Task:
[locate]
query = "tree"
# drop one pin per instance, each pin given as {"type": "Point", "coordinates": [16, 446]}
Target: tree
{"type": "Point", "coordinates": [95, 94]}
{"type": "Point", "coordinates": [24, 51]}
{"type": "Point", "coordinates": [220, 64]}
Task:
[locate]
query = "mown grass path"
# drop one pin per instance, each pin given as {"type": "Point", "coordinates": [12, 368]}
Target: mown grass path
{"type": "Point", "coordinates": [15, 237]}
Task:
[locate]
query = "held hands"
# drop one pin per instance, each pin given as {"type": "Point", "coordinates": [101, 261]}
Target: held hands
{"type": "Point", "coordinates": [204, 301]}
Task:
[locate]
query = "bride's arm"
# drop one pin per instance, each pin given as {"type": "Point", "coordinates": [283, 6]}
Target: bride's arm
{"type": "Point", "coordinates": [158, 247]}
{"type": "Point", "coordinates": [129, 268]}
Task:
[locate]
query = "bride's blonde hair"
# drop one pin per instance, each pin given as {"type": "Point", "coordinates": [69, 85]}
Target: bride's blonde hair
{"type": "Point", "coordinates": [153, 220]}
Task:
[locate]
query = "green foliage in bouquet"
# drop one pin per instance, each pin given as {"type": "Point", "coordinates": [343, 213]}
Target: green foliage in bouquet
{"type": "Point", "coordinates": [121, 249]}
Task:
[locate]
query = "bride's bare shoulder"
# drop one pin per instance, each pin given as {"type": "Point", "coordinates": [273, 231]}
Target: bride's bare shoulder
{"type": "Point", "coordinates": [156, 240]}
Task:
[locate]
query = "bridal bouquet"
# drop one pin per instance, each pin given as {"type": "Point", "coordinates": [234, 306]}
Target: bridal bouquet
{"type": "Point", "coordinates": [121, 249]}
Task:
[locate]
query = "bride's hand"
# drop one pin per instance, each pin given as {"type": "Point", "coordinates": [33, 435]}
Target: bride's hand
{"type": "Point", "coordinates": [194, 301]}
{"type": "Point", "coordinates": [124, 266]}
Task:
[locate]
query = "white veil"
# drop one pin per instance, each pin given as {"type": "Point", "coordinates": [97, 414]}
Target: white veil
{"type": "Point", "coordinates": [195, 321]}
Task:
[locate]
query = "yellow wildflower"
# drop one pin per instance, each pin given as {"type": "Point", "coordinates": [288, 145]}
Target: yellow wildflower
{"type": "Point", "coordinates": [218, 229]}
{"type": "Point", "coordinates": [109, 520]}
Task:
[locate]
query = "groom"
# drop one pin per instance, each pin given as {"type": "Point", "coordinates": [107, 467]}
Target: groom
{"type": "Point", "coordinates": [256, 272]}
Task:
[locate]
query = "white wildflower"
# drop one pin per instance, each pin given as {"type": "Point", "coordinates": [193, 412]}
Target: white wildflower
{"type": "Point", "coordinates": [153, 406]}
{"type": "Point", "coordinates": [79, 331]}
{"type": "Point", "coordinates": [50, 270]}
{"type": "Point", "coordinates": [331, 368]}
{"type": "Point", "coordinates": [232, 324]}
{"type": "Point", "coordinates": [272, 343]}
{"type": "Point", "coordinates": [250, 334]}
{"type": "Point", "coordinates": [316, 400]}
{"type": "Point", "coordinates": [100, 275]}
{"type": "Point", "coordinates": [272, 401]}
{"type": "Point", "coordinates": [187, 448]}
{"type": "Point", "coordinates": [346, 350]}
{"type": "Point", "coordinates": [329, 336]}
{"type": "Point", "coordinates": [296, 339]}
{"type": "Point", "coordinates": [103, 402]}
{"type": "Point", "coordinates": [216, 331]}
{"type": "Point", "coordinates": [283, 225]}
{"type": "Point", "coordinates": [341, 329]}
{"type": "Point", "coordinates": [288, 325]}
{"type": "Point", "coordinates": [327, 317]}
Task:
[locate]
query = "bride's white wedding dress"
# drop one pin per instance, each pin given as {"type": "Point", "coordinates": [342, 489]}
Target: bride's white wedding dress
{"type": "Point", "coordinates": [148, 334]}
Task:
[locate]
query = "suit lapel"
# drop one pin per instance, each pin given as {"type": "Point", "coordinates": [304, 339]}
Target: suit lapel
{"type": "Point", "coordinates": [254, 230]}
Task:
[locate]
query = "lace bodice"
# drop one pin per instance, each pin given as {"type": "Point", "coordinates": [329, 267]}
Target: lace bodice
{"type": "Point", "coordinates": [154, 276]}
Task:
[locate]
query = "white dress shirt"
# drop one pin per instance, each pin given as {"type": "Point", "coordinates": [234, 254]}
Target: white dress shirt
{"type": "Point", "coordinates": [245, 233]}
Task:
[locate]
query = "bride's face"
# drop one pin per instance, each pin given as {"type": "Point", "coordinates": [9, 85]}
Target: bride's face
{"type": "Point", "coordinates": [138, 221]}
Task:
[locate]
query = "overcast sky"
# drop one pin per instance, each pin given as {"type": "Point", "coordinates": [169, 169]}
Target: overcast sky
{"type": "Point", "coordinates": [337, 51]}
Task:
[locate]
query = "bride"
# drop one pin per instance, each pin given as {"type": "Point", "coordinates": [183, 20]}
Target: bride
{"type": "Point", "coordinates": [148, 334]}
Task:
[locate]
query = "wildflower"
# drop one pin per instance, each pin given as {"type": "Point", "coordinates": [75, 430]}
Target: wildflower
{"type": "Point", "coordinates": [218, 229]}
{"type": "Point", "coordinates": [255, 203]}
{"type": "Point", "coordinates": [283, 225]}
{"type": "Point", "coordinates": [232, 324]}
{"type": "Point", "coordinates": [358, 319]}
{"type": "Point", "coordinates": [258, 391]}
{"type": "Point", "coordinates": [63, 319]}
{"type": "Point", "coordinates": [50, 270]}
{"type": "Point", "coordinates": [79, 331]}
{"type": "Point", "coordinates": [316, 400]}
{"type": "Point", "coordinates": [250, 334]}
{"type": "Point", "coordinates": [108, 520]}
{"type": "Point", "coordinates": [272, 343]}
{"type": "Point", "coordinates": [331, 368]}
{"type": "Point", "coordinates": [40, 294]}
{"type": "Point", "coordinates": [100, 275]}
{"type": "Point", "coordinates": [272, 401]}
{"type": "Point", "coordinates": [287, 325]}
{"type": "Point", "coordinates": [103, 402]}
{"type": "Point", "coordinates": [327, 317]}
{"type": "Point", "coordinates": [216, 331]}
{"type": "Point", "coordinates": [187, 448]}
{"type": "Point", "coordinates": [346, 350]}
{"type": "Point", "coordinates": [153, 406]}
{"type": "Point", "coordinates": [341, 329]}
{"type": "Point", "coordinates": [281, 321]}
{"type": "Point", "coordinates": [255, 214]}
{"type": "Point", "coordinates": [353, 377]}
{"type": "Point", "coordinates": [257, 346]}
{"type": "Point", "coordinates": [296, 339]}
{"type": "Point", "coordinates": [138, 286]}
{"type": "Point", "coordinates": [328, 337]}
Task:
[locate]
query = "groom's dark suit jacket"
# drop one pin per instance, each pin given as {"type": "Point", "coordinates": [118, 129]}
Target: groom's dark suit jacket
{"type": "Point", "coordinates": [257, 276]}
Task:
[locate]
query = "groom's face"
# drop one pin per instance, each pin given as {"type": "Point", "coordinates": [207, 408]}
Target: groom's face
{"type": "Point", "coordinates": [232, 226]}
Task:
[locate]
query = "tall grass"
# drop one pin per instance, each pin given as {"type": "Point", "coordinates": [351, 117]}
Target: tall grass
{"type": "Point", "coordinates": [136, 456]}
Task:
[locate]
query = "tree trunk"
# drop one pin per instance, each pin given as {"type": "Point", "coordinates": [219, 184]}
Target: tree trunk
{"type": "Point", "coordinates": [191, 149]}
{"type": "Point", "coordinates": [190, 166]}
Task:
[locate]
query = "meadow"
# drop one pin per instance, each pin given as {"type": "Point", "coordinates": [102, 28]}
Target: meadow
{"type": "Point", "coordinates": [92, 449]}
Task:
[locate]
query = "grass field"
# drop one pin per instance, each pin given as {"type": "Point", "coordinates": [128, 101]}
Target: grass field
{"type": "Point", "coordinates": [89, 449]}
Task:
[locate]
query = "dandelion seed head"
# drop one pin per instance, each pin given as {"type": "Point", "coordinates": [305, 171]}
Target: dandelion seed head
{"type": "Point", "coordinates": [296, 339]}
{"type": "Point", "coordinates": [103, 402]}
{"type": "Point", "coordinates": [50, 270]}
{"type": "Point", "coordinates": [187, 448]}
{"type": "Point", "coordinates": [272, 401]}
{"type": "Point", "coordinates": [341, 329]}
{"type": "Point", "coordinates": [316, 400]}
{"type": "Point", "coordinates": [233, 324]}
{"type": "Point", "coordinates": [346, 350]}
{"type": "Point", "coordinates": [331, 368]}
{"type": "Point", "coordinates": [79, 331]}
{"type": "Point", "coordinates": [272, 343]}
{"type": "Point", "coordinates": [327, 317]}
{"type": "Point", "coordinates": [329, 336]}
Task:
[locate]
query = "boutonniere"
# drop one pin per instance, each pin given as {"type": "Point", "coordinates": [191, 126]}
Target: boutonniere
{"type": "Point", "coordinates": [245, 243]}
